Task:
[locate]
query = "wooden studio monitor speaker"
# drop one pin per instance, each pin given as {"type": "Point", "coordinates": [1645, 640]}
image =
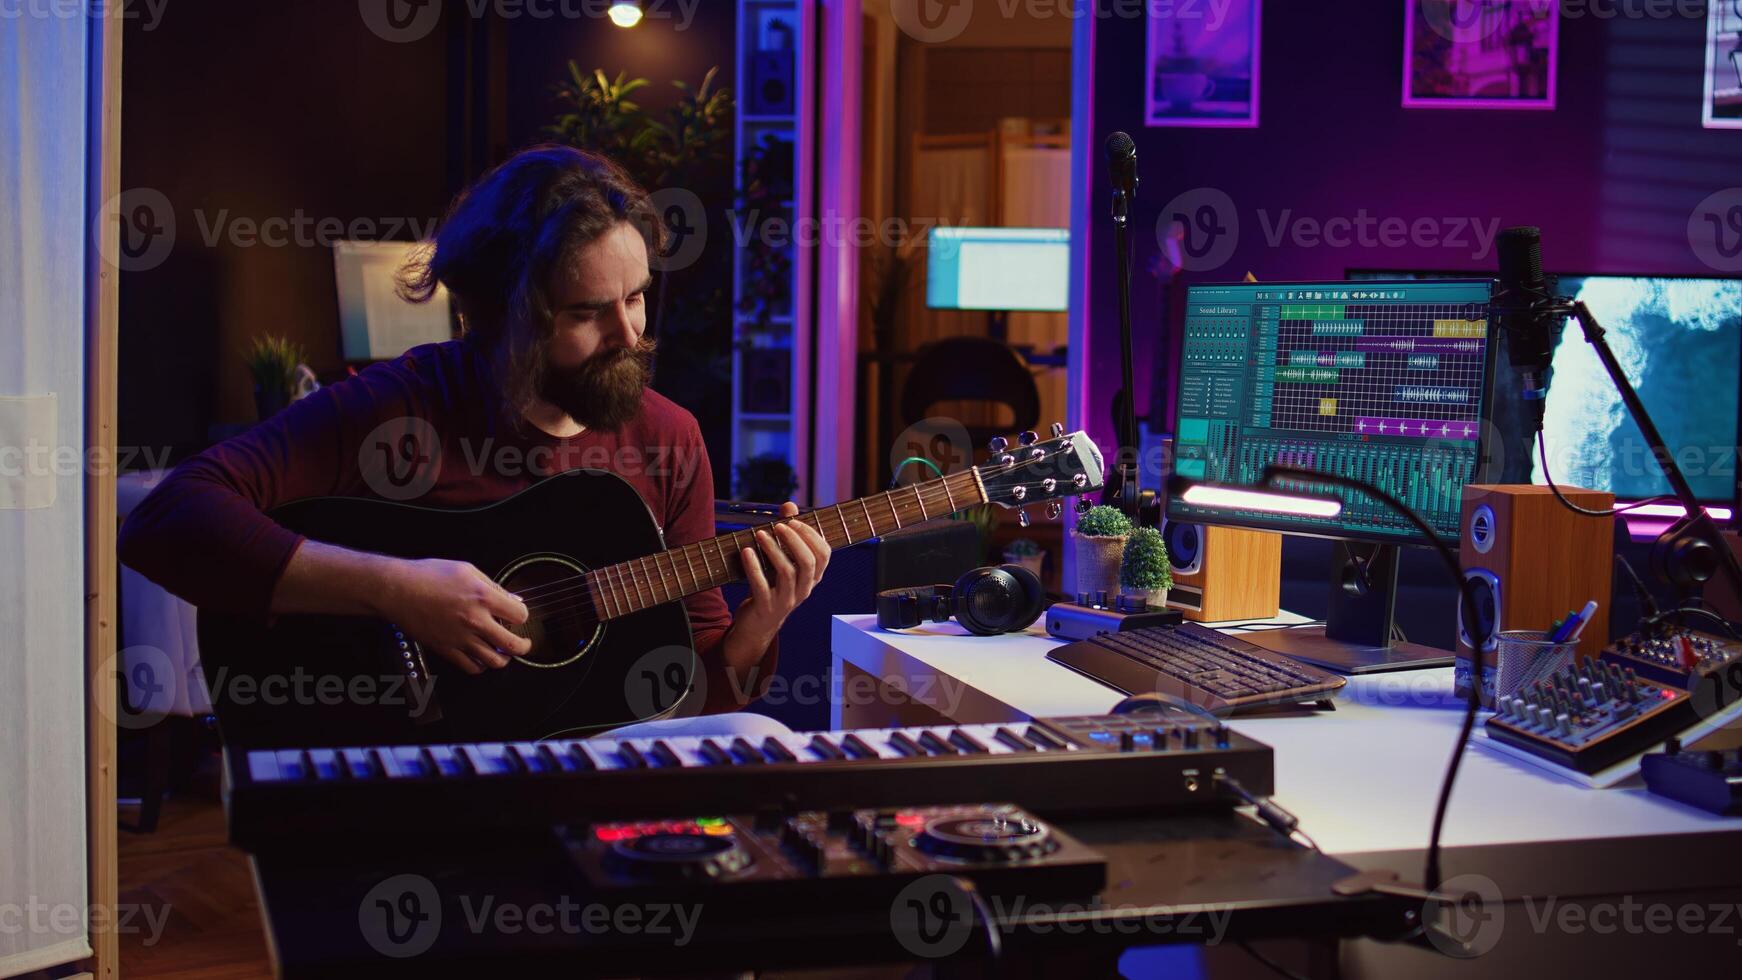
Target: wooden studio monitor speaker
{"type": "Point", "coordinates": [1532, 561]}
{"type": "Point", "coordinates": [1222, 574]}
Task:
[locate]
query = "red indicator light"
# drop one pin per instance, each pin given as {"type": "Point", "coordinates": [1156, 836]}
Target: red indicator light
{"type": "Point", "coordinates": [910, 819]}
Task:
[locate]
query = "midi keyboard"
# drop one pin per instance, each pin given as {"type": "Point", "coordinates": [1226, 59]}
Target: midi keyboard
{"type": "Point", "coordinates": [1092, 764]}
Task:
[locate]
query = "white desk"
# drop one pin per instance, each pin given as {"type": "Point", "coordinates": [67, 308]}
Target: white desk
{"type": "Point", "coordinates": [1363, 778]}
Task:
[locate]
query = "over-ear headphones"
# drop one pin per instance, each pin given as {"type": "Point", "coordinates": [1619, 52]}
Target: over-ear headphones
{"type": "Point", "coordinates": [986, 601]}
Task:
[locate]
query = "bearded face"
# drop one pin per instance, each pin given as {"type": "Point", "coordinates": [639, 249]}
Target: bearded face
{"type": "Point", "coordinates": [603, 391]}
{"type": "Point", "coordinates": [596, 358]}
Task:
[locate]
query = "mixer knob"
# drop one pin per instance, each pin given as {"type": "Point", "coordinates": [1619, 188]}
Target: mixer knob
{"type": "Point", "coordinates": [1101, 598]}
{"type": "Point", "coordinates": [1082, 598]}
{"type": "Point", "coordinates": [1189, 738]}
{"type": "Point", "coordinates": [1563, 725]}
{"type": "Point", "coordinates": [1221, 734]}
{"type": "Point", "coordinates": [1058, 429]}
{"type": "Point", "coordinates": [1158, 740]}
{"type": "Point", "coordinates": [1127, 741]}
{"type": "Point", "coordinates": [998, 444]}
{"type": "Point", "coordinates": [1028, 438]}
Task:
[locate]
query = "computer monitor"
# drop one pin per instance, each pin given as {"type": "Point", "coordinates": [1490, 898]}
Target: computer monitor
{"type": "Point", "coordinates": [374, 322]}
{"type": "Point", "coordinates": [1674, 336]}
{"type": "Point", "coordinates": [1012, 269]}
{"type": "Point", "coordinates": [1385, 381]}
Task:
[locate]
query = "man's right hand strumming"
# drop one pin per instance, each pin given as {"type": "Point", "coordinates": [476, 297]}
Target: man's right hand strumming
{"type": "Point", "coordinates": [451, 608]}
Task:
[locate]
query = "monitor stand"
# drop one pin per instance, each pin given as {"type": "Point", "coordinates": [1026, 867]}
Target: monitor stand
{"type": "Point", "coordinates": [1357, 635]}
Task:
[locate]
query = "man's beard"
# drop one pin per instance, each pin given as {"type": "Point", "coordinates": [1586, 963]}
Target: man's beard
{"type": "Point", "coordinates": [604, 391]}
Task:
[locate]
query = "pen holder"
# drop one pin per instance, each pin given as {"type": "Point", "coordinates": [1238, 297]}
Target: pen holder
{"type": "Point", "coordinates": [1523, 657]}
{"type": "Point", "coordinates": [1518, 659]}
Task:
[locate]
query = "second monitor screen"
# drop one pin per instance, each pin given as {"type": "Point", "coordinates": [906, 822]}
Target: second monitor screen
{"type": "Point", "coordinates": [1380, 381]}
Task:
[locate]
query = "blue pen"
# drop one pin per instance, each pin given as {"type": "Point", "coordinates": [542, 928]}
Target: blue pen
{"type": "Point", "coordinates": [1585, 616]}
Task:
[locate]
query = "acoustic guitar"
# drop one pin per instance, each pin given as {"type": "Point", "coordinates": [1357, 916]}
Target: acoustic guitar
{"type": "Point", "coordinates": [611, 641]}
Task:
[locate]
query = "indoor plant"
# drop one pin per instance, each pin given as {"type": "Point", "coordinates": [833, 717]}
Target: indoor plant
{"type": "Point", "coordinates": [1026, 553]}
{"type": "Point", "coordinates": [273, 361]}
{"type": "Point", "coordinates": [1145, 571]}
{"type": "Point", "coordinates": [1101, 535]}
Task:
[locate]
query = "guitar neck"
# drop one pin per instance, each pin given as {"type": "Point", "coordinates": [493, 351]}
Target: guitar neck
{"type": "Point", "coordinates": [631, 586]}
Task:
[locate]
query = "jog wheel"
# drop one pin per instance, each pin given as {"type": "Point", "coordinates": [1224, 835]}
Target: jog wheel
{"type": "Point", "coordinates": [677, 857]}
{"type": "Point", "coordinates": [990, 838]}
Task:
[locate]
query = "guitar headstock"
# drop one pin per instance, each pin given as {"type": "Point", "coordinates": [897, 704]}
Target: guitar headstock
{"type": "Point", "coordinates": [1036, 471]}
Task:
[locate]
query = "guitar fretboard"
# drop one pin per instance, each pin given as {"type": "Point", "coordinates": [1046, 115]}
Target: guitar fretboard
{"type": "Point", "coordinates": [631, 586]}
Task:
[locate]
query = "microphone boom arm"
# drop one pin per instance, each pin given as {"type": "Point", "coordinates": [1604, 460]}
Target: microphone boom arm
{"type": "Point", "coordinates": [1679, 544]}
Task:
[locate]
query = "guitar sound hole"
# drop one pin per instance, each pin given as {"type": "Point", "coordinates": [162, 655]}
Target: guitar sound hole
{"type": "Point", "coordinates": [562, 627]}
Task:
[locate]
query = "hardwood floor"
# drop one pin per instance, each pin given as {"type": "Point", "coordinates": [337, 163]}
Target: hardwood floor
{"type": "Point", "coordinates": [185, 877]}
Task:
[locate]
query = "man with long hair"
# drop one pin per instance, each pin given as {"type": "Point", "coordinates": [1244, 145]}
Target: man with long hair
{"type": "Point", "coordinates": [546, 257]}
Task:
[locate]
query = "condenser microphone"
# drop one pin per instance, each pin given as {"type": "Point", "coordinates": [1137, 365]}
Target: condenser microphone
{"type": "Point", "coordinates": [1526, 311]}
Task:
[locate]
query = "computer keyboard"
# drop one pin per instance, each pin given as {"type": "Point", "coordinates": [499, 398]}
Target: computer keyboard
{"type": "Point", "coordinates": [1209, 669]}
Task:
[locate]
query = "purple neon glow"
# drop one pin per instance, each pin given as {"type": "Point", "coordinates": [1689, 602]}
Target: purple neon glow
{"type": "Point", "coordinates": [1236, 39]}
{"type": "Point", "coordinates": [1473, 43]}
{"type": "Point", "coordinates": [1431, 428]}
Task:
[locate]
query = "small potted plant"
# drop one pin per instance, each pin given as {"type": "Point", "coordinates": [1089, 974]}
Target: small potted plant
{"type": "Point", "coordinates": [1026, 553]}
{"type": "Point", "coordinates": [1101, 535]}
{"type": "Point", "coordinates": [275, 363]}
{"type": "Point", "coordinates": [1145, 571]}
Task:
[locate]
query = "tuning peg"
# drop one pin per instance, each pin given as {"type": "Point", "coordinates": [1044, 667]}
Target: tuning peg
{"type": "Point", "coordinates": [1058, 429]}
{"type": "Point", "coordinates": [1054, 510]}
{"type": "Point", "coordinates": [1084, 505]}
{"type": "Point", "coordinates": [998, 444]}
{"type": "Point", "coordinates": [1022, 518]}
{"type": "Point", "coordinates": [1028, 438]}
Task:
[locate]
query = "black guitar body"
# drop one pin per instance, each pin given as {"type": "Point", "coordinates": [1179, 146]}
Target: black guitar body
{"type": "Point", "coordinates": [325, 680]}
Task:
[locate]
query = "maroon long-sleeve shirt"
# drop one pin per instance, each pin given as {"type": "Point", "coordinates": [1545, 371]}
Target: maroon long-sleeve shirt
{"type": "Point", "coordinates": [202, 533]}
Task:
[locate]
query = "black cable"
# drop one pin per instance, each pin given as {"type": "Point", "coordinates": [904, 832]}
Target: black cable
{"type": "Point", "coordinates": [1278, 968]}
{"type": "Point", "coordinates": [1270, 812]}
{"type": "Point", "coordinates": [1697, 611]}
{"type": "Point", "coordinates": [1542, 453]}
{"type": "Point", "coordinates": [1273, 472]}
{"type": "Point", "coordinates": [1647, 602]}
{"type": "Point", "coordinates": [994, 942]}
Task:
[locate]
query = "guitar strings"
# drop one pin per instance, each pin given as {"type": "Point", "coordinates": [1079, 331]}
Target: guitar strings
{"type": "Point", "coordinates": [541, 595]}
{"type": "Point", "coordinates": [931, 486]}
{"type": "Point", "coordinates": [566, 610]}
{"type": "Point", "coordinates": [563, 597]}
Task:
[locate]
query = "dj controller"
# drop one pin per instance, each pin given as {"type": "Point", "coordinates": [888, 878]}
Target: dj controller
{"type": "Point", "coordinates": [856, 854]}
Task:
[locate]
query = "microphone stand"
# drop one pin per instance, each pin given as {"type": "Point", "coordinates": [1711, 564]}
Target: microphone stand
{"type": "Point", "coordinates": [1691, 550]}
{"type": "Point", "coordinates": [1130, 495]}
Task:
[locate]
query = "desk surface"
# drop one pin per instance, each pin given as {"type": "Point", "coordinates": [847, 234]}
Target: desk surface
{"type": "Point", "coordinates": [1363, 778]}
